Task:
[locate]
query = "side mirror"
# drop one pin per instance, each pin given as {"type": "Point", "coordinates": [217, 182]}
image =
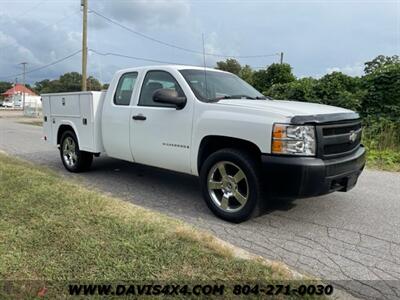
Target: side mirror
{"type": "Point", "coordinates": [169, 96]}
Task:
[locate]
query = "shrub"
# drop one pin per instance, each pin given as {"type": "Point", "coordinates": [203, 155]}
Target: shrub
{"type": "Point", "coordinates": [382, 97]}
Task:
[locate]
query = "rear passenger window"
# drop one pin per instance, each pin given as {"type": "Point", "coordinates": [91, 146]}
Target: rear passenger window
{"type": "Point", "coordinates": [124, 90]}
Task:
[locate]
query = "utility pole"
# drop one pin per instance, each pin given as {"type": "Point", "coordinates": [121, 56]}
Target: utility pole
{"type": "Point", "coordinates": [23, 82]}
{"type": "Point", "coordinates": [281, 57]}
{"type": "Point", "coordinates": [84, 4]}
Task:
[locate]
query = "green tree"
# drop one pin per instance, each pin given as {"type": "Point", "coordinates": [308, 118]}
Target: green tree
{"type": "Point", "coordinates": [4, 86]}
{"type": "Point", "coordinates": [301, 90]}
{"type": "Point", "coordinates": [246, 73]}
{"type": "Point", "coordinates": [274, 74]}
{"type": "Point", "coordinates": [233, 66]}
{"type": "Point", "coordinates": [93, 84]}
{"type": "Point", "coordinates": [68, 82]}
{"type": "Point", "coordinates": [43, 86]}
{"type": "Point", "coordinates": [230, 65]}
{"type": "Point", "coordinates": [380, 61]}
{"type": "Point", "coordinates": [382, 98]}
{"type": "Point", "coordinates": [339, 89]}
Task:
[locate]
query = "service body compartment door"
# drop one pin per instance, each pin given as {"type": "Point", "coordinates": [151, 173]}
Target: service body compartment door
{"type": "Point", "coordinates": [65, 105]}
{"type": "Point", "coordinates": [47, 124]}
{"type": "Point", "coordinates": [65, 109]}
{"type": "Point", "coordinates": [86, 125]}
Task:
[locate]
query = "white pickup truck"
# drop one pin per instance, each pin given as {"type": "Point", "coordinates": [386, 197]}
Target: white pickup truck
{"type": "Point", "coordinates": [245, 148]}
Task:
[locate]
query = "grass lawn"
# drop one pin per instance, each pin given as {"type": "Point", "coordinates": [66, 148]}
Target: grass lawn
{"type": "Point", "coordinates": [387, 159]}
{"type": "Point", "coordinates": [55, 230]}
{"type": "Point", "coordinates": [383, 147]}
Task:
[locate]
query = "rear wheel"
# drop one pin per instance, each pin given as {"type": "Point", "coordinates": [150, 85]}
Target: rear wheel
{"type": "Point", "coordinates": [73, 159]}
{"type": "Point", "coordinates": [231, 185]}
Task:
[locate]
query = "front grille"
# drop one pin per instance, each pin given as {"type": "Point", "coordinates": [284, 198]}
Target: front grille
{"type": "Point", "coordinates": [340, 130]}
{"type": "Point", "coordinates": [338, 139]}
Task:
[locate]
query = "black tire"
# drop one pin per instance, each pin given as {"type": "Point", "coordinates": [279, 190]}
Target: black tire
{"type": "Point", "coordinates": [250, 167]}
{"type": "Point", "coordinates": [83, 160]}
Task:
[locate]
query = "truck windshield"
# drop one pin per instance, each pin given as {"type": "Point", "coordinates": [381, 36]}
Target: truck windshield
{"type": "Point", "coordinates": [211, 86]}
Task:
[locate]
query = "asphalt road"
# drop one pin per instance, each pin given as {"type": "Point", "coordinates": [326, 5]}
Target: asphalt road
{"type": "Point", "coordinates": [350, 238]}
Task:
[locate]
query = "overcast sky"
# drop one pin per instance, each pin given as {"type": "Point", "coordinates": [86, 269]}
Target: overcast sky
{"type": "Point", "coordinates": [316, 36]}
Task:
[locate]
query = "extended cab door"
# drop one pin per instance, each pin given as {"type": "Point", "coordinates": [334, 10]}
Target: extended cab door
{"type": "Point", "coordinates": [161, 134]}
{"type": "Point", "coordinates": [116, 117]}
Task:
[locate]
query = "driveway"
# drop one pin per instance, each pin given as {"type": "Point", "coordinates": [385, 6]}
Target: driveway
{"type": "Point", "coordinates": [350, 239]}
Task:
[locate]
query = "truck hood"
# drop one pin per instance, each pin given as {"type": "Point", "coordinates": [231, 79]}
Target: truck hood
{"type": "Point", "coordinates": [292, 109]}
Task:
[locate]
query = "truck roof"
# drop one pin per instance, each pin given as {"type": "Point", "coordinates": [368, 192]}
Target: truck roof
{"type": "Point", "coordinates": [169, 67]}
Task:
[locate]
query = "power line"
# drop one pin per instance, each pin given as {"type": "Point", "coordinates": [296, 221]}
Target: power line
{"type": "Point", "coordinates": [133, 57]}
{"type": "Point", "coordinates": [45, 66]}
{"type": "Point", "coordinates": [152, 60]}
{"type": "Point", "coordinates": [175, 46]}
{"type": "Point", "coordinates": [143, 35]}
{"type": "Point", "coordinates": [31, 9]}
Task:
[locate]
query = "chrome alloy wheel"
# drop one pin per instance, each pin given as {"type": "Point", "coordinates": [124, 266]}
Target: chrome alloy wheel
{"type": "Point", "coordinates": [227, 186]}
{"type": "Point", "coordinates": [69, 152]}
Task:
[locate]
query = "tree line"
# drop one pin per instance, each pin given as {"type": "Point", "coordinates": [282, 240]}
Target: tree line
{"type": "Point", "coordinates": [374, 94]}
{"type": "Point", "coordinates": [68, 82]}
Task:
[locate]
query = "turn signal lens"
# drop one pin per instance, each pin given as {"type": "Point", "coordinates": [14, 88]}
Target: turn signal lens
{"type": "Point", "coordinates": [279, 131]}
{"type": "Point", "coordinates": [277, 146]}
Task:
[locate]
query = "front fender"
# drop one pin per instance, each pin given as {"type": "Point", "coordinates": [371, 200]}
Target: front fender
{"type": "Point", "coordinates": [253, 127]}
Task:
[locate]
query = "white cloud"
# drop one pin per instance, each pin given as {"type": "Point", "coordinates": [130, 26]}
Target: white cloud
{"type": "Point", "coordinates": [32, 41]}
{"type": "Point", "coordinates": [212, 45]}
{"type": "Point", "coordinates": [351, 70]}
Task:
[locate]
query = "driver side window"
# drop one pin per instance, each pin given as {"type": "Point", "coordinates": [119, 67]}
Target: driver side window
{"type": "Point", "coordinates": [154, 81]}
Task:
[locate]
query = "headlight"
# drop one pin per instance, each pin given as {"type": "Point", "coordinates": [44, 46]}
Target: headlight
{"type": "Point", "coordinates": [293, 140]}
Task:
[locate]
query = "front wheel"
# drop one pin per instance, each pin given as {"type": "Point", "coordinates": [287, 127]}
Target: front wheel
{"type": "Point", "coordinates": [73, 159]}
{"type": "Point", "coordinates": [231, 185]}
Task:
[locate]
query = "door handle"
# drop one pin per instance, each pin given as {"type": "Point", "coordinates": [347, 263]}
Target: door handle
{"type": "Point", "coordinates": [139, 118]}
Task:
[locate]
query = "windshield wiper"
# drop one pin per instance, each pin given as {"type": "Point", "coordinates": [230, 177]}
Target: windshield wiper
{"type": "Point", "coordinates": [240, 97]}
{"type": "Point", "coordinates": [234, 97]}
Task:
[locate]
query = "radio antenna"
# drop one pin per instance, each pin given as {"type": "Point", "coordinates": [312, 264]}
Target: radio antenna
{"type": "Point", "coordinates": [205, 67]}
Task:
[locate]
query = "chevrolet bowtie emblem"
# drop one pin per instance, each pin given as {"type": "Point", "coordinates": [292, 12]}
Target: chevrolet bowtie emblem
{"type": "Point", "coordinates": [352, 136]}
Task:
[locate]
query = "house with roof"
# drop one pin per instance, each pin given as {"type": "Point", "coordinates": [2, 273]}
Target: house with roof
{"type": "Point", "coordinates": [13, 97]}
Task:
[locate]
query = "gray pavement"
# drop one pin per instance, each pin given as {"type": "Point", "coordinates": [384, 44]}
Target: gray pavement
{"type": "Point", "coordinates": [350, 238]}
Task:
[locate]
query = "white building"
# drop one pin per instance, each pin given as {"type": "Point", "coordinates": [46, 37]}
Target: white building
{"type": "Point", "coordinates": [14, 98]}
